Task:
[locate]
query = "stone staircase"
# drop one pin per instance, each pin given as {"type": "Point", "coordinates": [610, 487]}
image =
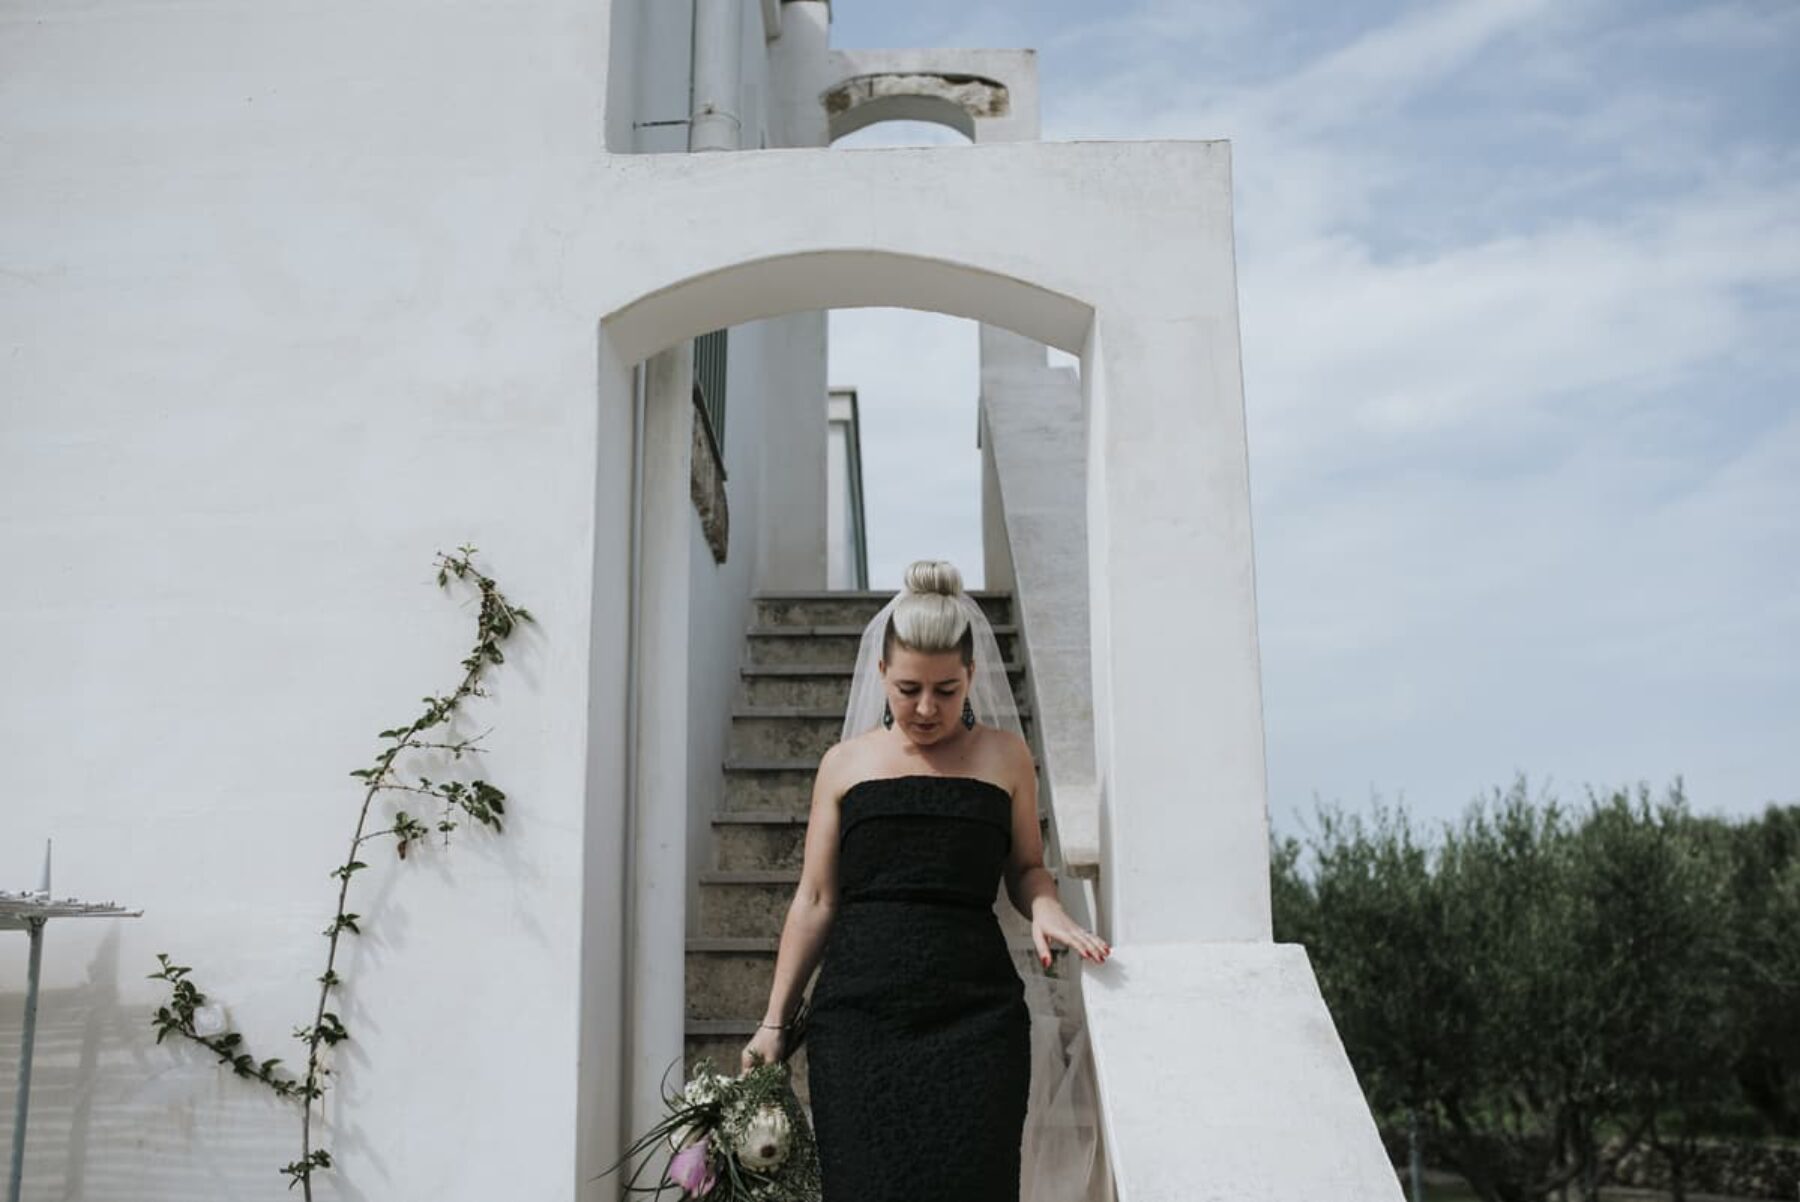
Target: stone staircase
{"type": "Point", "coordinates": [794, 685]}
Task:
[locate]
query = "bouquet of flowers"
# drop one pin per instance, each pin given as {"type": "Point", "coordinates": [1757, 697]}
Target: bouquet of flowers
{"type": "Point", "coordinates": [734, 1139]}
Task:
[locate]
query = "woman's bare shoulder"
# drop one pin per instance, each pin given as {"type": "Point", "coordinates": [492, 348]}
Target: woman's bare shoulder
{"type": "Point", "coordinates": [843, 760]}
{"type": "Point", "coordinates": [853, 748]}
{"type": "Point", "coordinates": [1014, 742]}
{"type": "Point", "coordinates": [1009, 745]}
{"type": "Point", "coordinates": [1013, 756]}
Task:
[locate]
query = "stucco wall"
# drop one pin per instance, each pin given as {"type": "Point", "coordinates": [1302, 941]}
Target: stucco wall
{"type": "Point", "coordinates": [286, 311]}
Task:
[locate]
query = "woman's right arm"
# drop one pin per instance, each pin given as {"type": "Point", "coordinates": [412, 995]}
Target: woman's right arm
{"type": "Point", "coordinates": [814, 905]}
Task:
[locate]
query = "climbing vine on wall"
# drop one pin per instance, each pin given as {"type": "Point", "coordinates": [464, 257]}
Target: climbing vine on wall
{"type": "Point", "coordinates": [456, 801]}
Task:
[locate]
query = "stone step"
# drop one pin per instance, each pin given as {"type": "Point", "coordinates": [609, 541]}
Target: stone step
{"type": "Point", "coordinates": [843, 607]}
{"type": "Point", "coordinates": [760, 839]}
{"type": "Point", "coordinates": [832, 644]}
{"type": "Point", "coordinates": [821, 685]}
{"type": "Point", "coordinates": [799, 732]}
{"type": "Point", "coordinates": [730, 978]}
{"type": "Point", "coordinates": [774, 838]}
{"type": "Point", "coordinates": [745, 901]}
{"type": "Point", "coordinates": [782, 785]}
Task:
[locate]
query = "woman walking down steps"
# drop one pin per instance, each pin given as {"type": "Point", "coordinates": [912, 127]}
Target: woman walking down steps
{"type": "Point", "coordinates": [922, 1046]}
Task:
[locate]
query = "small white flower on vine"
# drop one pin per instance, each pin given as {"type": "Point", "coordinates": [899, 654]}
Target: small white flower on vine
{"type": "Point", "coordinates": [209, 1019]}
{"type": "Point", "coordinates": [702, 1090]}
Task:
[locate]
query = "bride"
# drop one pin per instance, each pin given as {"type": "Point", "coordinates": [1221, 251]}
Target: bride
{"type": "Point", "coordinates": [926, 1050]}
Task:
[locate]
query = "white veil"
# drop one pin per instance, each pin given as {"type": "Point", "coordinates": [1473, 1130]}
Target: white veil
{"type": "Point", "coordinates": [1059, 1151]}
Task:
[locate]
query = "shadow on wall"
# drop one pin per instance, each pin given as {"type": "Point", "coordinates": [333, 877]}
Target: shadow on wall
{"type": "Point", "coordinates": [172, 1121]}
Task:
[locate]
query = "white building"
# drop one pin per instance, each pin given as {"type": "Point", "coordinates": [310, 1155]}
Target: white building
{"type": "Point", "coordinates": [295, 296]}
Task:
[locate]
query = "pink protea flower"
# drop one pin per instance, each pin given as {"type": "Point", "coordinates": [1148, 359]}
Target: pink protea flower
{"type": "Point", "coordinates": [692, 1170]}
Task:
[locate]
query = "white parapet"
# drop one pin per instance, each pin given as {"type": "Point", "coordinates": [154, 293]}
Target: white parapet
{"type": "Point", "coordinates": [1222, 1079]}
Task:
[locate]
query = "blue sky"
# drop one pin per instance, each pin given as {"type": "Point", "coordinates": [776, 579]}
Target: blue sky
{"type": "Point", "coordinates": [1520, 299]}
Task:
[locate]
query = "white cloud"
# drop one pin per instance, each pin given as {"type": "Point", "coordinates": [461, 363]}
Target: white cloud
{"type": "Point", "coordinates": [1379, 71]}
{"type": "Point", "coordinates": [1518, 287]}
{"type": "Point", "coordinates": [1506, 335]}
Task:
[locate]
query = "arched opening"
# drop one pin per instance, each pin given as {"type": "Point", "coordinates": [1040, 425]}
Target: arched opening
{"type": "Point", "coordinates": [909, 325]}
{"type": "Point", "coordinates": [956, 100]}
{"type": "Point", "coordinates": [642, 857]}
{"type": "Point", "coordinates": [886, 302]}
{"type": "Point", "coordinates": [759, 288]}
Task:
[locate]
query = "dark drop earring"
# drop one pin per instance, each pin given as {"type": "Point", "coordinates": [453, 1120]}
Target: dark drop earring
{"type": "Point", "coordinates": [968, 717]}
{"type": "Point", "coordinates": [887, 716]}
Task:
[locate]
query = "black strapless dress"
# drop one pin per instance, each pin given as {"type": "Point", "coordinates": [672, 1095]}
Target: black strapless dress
{"type": "Point", "coordinates": [919, 1040]}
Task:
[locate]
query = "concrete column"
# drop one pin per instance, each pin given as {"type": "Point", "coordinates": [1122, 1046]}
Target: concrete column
{"type": "Point", "coordinates": [718, 74]}
{"type": "Point", "coordinates": [1177, 678]}
{"type": "Point", "coordinates": [658, 922]}
{"type": "Point", "coordinates": [793, 466]}
{"type": "Point", "coordinates": [663, 66]}
{"type": "Point", "coordinates": [800, 71]}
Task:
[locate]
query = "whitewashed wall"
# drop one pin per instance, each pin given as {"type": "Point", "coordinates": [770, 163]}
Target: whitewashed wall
{"type": "Point", "coordinates": [286, 307]}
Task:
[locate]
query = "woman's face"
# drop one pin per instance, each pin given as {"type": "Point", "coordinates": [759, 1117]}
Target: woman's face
{"type": "Point", "coordinates": [925, 693]}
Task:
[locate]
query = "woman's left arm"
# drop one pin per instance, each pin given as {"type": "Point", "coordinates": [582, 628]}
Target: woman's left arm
{"type": "Point", "coordinates": [1027, 880]}
{"type": "Point", "coordinates": [1030, 885]}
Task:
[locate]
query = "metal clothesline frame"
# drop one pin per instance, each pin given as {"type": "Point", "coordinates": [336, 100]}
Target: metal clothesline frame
{"type": "Point", "coordinates": [29, 912]}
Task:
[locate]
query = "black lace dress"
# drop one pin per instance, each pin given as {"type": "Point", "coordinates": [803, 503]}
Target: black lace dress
{"type": "Point", "coordinates": [919, 1041]}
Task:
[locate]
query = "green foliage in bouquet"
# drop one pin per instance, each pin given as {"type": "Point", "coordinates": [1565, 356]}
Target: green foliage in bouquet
{"type": "Point", "coordinates": [733, 1139]}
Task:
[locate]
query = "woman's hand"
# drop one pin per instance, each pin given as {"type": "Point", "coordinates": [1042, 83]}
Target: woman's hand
{"type": "Point", "coordinates": [1050, 921]}
{"type": "Point", "coordinates": [768, 1041]}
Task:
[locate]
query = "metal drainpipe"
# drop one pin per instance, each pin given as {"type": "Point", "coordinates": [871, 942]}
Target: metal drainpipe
{"type": "Point", "coordinates": [718, 74]}
{"type": "Point", "coordinates": [627, 860]}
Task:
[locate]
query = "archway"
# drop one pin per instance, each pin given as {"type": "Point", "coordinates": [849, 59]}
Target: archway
{"type": "Point", "coordinates": [635, 341]}
{"type": "Point", "coordinates": [1118, 254]}
{"type": "Point", "coordinates": [940, 98]}
{"type": "Point", "coordinates": [770, 286]}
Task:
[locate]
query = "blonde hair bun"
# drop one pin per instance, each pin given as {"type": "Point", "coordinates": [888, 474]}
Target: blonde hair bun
{"type": "Point", "coordinates": [933, 576]}
{"type": "Point", "coordinates": [927, 617]}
